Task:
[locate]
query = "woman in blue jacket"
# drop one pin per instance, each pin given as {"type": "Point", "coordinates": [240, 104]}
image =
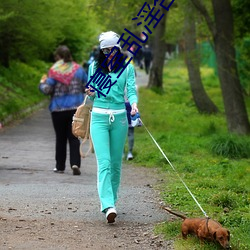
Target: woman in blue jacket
{"type": "Point", "coordinates": [109, 124]}
{"type": "Point", "coordinates": [65, 84]}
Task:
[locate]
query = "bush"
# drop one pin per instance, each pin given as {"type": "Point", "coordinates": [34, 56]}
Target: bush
{"type": "Point", "coordinates": [19, 88]}
{"type": "Point", "coordinates": [224, 200]}
{"type": "Point", "coordinates": [231, 146]}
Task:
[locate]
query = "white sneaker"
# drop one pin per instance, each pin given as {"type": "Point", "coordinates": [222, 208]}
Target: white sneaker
{"type": "Point", "coordinates": [58, 171]}
{"type": "Point", "coordinates": [130, 156]}
{"type": "Point", "coordinates": [76, 170]}
{"type": "Point", "coordinates": [111, 214]}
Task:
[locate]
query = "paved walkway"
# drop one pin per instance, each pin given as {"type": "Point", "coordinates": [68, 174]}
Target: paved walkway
{"type": "Point", "coordinates": [27, 158]}
{"type": "Point", "coordinates": [26, 163]}
{"type": "Point", "coordinates": [141, 78]}
{"type": "Point", "coordinates": [29, 189]}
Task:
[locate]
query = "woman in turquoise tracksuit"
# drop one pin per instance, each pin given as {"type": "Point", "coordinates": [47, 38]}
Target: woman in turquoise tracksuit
{"type": "Point", "coordinates": [109, 123]}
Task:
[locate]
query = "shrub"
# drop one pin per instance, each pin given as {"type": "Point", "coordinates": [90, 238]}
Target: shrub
{"type": "Point", "coordinates": [231, 146]}
{"type": "Point", "coordinates": [224, 200]}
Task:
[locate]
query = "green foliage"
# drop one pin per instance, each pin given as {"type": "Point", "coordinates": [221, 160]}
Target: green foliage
{"type": "Point", "coordinates": [117, 15]}
{"type": "Point", "coordinates": [210, 129]}
{"type": "Point", "coordinates": [175, 19]}
{"type": "Point", "coordinates": [224, 200]}
{"type": "Point", "coordinates": [231, 146]}
{"type": "Point", "coordinates": [219, 183]}
{"type": "Point", "coordinates": [28, 33]}
{"type": "Point", "coordinates": [243, 60]}
{"type": "Point", "coordinates": [170, 230]}
{"type": "Point", "coordinates": [118, 18]}
{"type": "Point", "coordinates": [242, 35]}
{"type": "Point", "coordinates": [19, 87]}
{"type": "Point", "coordinates": [241, 17]}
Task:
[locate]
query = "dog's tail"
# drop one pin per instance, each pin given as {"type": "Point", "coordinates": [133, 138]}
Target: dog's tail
{"type": "Point", "coordinates": [175, 213]}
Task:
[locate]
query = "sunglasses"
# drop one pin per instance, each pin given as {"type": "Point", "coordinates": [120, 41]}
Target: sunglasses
{"type": "Point", "coordinates": [106, 51]}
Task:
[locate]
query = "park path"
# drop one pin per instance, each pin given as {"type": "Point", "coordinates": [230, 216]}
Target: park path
{"type": "Point", "coordinates": [40, 209]}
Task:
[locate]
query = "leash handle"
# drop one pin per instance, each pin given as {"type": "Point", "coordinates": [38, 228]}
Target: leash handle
{"type": "Point", "coordinates": [174, 170]}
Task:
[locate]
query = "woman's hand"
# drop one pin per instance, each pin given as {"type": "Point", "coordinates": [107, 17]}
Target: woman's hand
{"type": "Point", "coordinates": [90, 92]}
{"type": "Point", "coordinates": [134, 109]}
{"type": "Point", "coordinates": [43, 79]}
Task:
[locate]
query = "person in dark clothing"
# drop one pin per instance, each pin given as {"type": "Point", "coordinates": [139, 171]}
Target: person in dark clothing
{"type": "Point", "coordinates": [138, 58]}
{"type": "Point", "coordinates": [147, 54]}
{"type": "Point", "coordinates": [130, 133]}
{"type": "Point", "coordinates": [93, 54]}
{"type": "Point", "coordinates": [65, 83]}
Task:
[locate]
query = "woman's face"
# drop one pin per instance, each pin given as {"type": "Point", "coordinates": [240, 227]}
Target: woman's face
{"type": "Point", "coordinates": [106, 52]}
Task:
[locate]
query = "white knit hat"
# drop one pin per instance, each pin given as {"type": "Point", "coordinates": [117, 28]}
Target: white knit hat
{"type": "Point", "coordinates": [109, 39]}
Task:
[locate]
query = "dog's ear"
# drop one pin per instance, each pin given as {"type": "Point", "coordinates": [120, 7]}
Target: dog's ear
{"type": "Point", "coordinates": [228, 237]}
{"type": "Point", "coordinates": [214, 235]}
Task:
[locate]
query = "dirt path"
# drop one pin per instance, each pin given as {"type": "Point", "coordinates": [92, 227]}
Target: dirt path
{"type": "Point", "coordinates": [43, 210]}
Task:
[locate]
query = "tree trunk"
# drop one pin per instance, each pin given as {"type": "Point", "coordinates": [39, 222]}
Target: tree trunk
{"type": "Point", "coordinates": [159, 50]}
{"type": "Point", "coordinates": [235, 109]}
{"type": "Point", "coordinates": [201, 99]}
{"type": "Point", "coordinates": [223, 37]}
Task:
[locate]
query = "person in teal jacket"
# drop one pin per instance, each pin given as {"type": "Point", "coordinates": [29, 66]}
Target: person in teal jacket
{"type": "Point", "coordinates": [109, 124]}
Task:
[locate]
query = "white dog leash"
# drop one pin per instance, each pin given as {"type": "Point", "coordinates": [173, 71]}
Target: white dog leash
{"type": "Point", "coordinates": [174, 170]}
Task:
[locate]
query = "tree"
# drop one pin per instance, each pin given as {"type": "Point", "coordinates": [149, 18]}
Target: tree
{"type": "Point", "coordinates": [159, 50]}
{"type": "Point", "coordinates": [111, 14]}
{"type": "Point", "coordinates": [201, 99]}
{"type": "Point", "coordinates": [223, 37]}
{"type": "Point", "coordinates": [28, 33]}
{"type": "Point", "coordinates": [23, 33]}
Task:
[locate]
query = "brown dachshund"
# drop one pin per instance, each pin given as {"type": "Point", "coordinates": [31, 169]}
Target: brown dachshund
{"type": "Point", "coordinates": [204, 229]}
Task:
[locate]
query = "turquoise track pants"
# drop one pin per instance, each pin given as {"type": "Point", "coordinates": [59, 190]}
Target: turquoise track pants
{"type": "Point", "coordinates": [108, 136]}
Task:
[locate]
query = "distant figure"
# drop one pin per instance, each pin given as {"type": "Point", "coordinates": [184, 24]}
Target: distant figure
{"type": "Point", "coordinates": [138, 58]}
{"type": "Point", "coordinates": [65, 84]}
{"type": "Point", "coordinates": [85, 66]}
{"type": "Point", "coordinates": [147, 54]}
{"type": "Point", "coordinates": [130, 133]}
{"type": "Point", "coordinates": [93, 54]}
{"type": "Point", "coordinates": [130, 127]}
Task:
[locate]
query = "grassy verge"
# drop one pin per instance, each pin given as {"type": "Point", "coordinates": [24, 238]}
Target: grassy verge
{"type": "Point", "coordinates": [212, 163]}
{"type": "Point", "coordinates": [19, 88]}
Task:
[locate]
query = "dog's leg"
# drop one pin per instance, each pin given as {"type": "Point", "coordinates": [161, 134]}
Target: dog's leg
{"type": "Point", "coordinates": [201, 242]}
{"type": "Point", "coordinates": [184, 235]}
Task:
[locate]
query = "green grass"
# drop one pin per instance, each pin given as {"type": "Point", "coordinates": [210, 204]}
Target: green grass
{"type": "Point", "coordinates": [19, 87]}
{"type": "Point", "coordinates": [214, 164]}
